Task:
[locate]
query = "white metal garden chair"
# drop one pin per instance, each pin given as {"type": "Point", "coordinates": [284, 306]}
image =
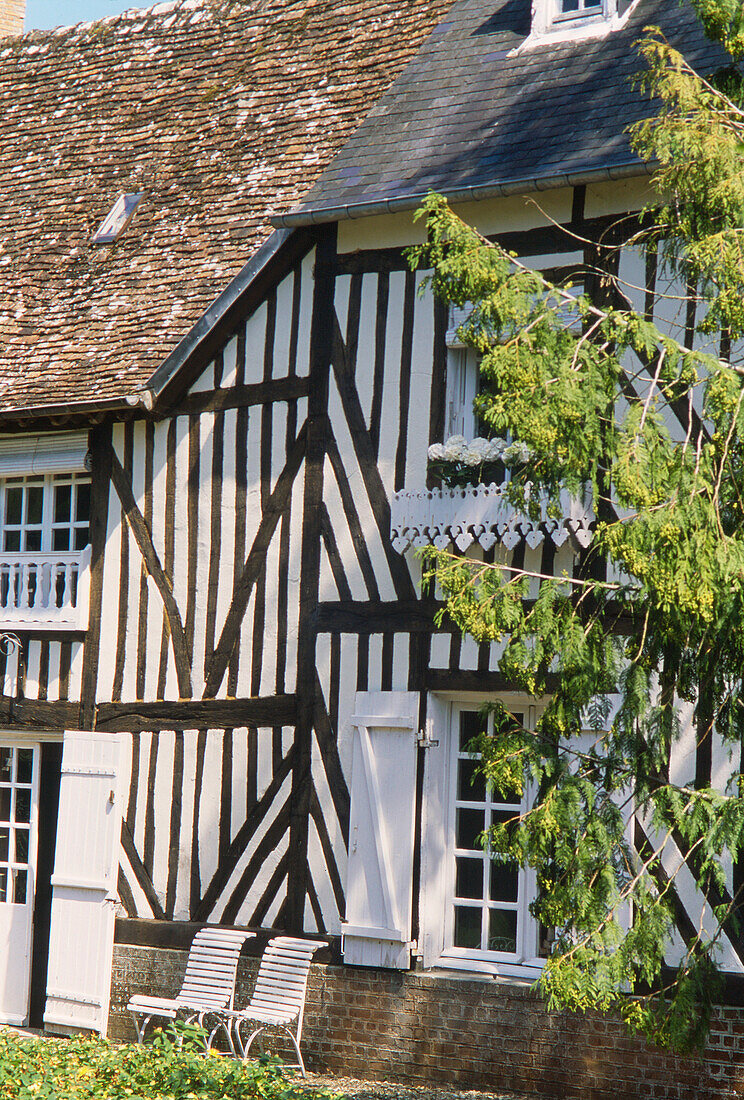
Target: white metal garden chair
{"type": "Point", "coordinates": [208, 984]}
{"type": "Point", "coordinates": [278, 999]}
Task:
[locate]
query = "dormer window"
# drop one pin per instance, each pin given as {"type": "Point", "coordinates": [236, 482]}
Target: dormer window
{"type": "Point", "coordinates": [556, 20]}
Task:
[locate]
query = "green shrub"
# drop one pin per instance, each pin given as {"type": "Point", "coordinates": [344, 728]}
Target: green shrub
{"type": "Point", "coordinates": [171, 1066]}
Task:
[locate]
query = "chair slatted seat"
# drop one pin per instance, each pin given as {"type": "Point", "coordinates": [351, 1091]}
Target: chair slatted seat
{"type": "Point", "coordinates": [208, 984]}
{"type": "Point", "coordinates": [278, 996]}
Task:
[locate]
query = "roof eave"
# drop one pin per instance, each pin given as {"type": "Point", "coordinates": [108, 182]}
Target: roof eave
{"type": "Point", "coordinates": [474, 193]}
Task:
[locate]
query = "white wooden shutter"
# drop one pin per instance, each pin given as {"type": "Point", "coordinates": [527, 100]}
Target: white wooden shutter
{"type": "Point", "coordinates": [435, 866]}
{"type": "Point", "coordinates": [377, 930]}
{"type": "Point", "coordinates": [84, 883]}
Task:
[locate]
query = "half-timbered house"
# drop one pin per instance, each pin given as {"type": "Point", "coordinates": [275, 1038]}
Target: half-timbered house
{"type": "Point", "coordinates": [214, 473]}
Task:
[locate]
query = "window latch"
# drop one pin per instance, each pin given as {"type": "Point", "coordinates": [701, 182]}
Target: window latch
{"type": "Point", "coordinates": [424, 739]}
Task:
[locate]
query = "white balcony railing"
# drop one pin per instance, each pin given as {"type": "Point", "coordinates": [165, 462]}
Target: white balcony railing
{"type": "Point", "coordinates": [482, 514]}
{"type": "Point", "coordinates": [44, 590]}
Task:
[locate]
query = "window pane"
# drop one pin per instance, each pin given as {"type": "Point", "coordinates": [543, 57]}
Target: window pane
{"type": "Point", "coordinates": [32, 540]}
{"type": "Point", "coordinates": [467, 927]}
{"type": "Point", "coordinates": [3, 885]}
{"type": "Point", "coordinates": [469, 882]}
{"type": "Point", "coordinates": [14, 505]}
{"type": "Point", "coordinates": [23, 805]}
{"type": "Point", "coordinates": [4, 803]}
{"type": "Point", "coordinates": [502, 931]}
{"type": "Point", "coordinates": [34, 503]}
{"type": "Point", "coordinates": [470, 787]}
{"type": "Point", "coordinates": [82, 538]}
{"type": "Point", "coordinates": [6, 765]}
{"type": "Point", "coordinates": [21, 846]}
{"type": "Point", "coordinates": [24, 765]}
{"type": "Point", "coordinates": [12, 540]}
{"type": "Point", "coordinates": [61, 538]}
{"type": "Point", "coordinates": [19, 887]}
{"type": "Point", "coordinates": [471, 724]}
{"type": "Point", "coordinates": [82, 506]}
{"type": "Point", "coordinates": [470, 823]}
{"type": "Point", "coordinates": [4, 844]}
{"type": "Point", "coordinates": [504, 881]}
{"type": "Point", "coordinates": [569, 5]}
{"type": "Point", "coordinates": [62, 503]}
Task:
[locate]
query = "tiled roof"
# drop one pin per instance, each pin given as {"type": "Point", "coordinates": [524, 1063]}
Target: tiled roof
{"type": "Point", "coordinates": [471, 115]}
{"type": "Point", "coordinates": [220, 112]}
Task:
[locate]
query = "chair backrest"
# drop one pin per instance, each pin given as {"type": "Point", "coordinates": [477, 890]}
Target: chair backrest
{"type": "Point", "coordinates": [282, 975]}
{"type": "Point", "coordinates": [212, 967]}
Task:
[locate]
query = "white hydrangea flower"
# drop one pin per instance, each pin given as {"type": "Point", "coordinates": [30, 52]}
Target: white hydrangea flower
{"type": "Point", "coordinates": [496, 448]}
{"type": "Point", "coordinates": [436, 452]}
{"type": "Point", "coordinates": [455, 448]}
{"type": "Point", "coordinates": [479, 451]}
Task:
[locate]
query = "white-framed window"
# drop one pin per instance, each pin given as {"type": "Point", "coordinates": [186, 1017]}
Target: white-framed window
{"type": "Point", "coordinates": [578, 9]}
{"type": "Point", "coordinates": [44, 512]}
{"type": "Point", "coordinates": [474, 909]}
{"type": "Point", "coordinates": [462, 388]}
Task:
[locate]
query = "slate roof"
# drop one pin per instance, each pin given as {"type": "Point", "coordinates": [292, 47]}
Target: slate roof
{"type": "Point", "coordinates": [220, 111]}
{"type": "Point", "coordinates": [469, 118]}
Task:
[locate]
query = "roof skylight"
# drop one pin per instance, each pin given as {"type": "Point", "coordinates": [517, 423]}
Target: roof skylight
{"type": "Point", "coordinates": [117, 219]}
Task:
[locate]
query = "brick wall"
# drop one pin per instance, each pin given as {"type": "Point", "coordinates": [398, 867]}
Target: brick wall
{"type": "Point", "coordinates": [12, 13]}
{"type": "Point", "coordinates": [465, 1031]}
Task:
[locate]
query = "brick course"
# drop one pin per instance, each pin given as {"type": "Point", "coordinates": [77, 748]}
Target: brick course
{"type": "Point", "coordinates": [466, 1031]}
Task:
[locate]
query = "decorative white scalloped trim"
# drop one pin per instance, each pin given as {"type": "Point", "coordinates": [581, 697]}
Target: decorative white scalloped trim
{"type": "Point", "coordinates": [482, 514]}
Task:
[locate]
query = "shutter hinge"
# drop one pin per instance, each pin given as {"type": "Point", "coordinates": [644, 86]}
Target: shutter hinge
{"type": "Point", "coordinates": [424, 738]}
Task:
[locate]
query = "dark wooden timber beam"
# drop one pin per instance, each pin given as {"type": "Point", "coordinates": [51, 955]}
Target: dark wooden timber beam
{"type": "Point", "coordinates": [178, 714]}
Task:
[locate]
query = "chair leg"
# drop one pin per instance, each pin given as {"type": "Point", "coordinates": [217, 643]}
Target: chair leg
{"type": "Point", "coordinates": [296, 1045]}
{"type": "Point", "coordinates": [245, 1047]}
{"type": "Point", "coordinates": [140, 1028]}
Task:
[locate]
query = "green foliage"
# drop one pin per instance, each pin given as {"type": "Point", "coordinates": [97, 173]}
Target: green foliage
{"type": "Point", "coordinates": [171, 1066]}
{"type": "Point", "coordinates": [595, 393]}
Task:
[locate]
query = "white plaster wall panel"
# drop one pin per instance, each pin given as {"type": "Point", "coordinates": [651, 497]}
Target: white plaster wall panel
{"type": "Point", "coordinates": [230, 363]}
{"type": "Point", "coordinates": [246, 643]}
{"type": "Point", "coordinates": [115, 532]}
{"type": "Point", "coordinates": [293, 572]}
{"type": "Point", "coordinates": [365, 363]}
{"type": "Point", "coordinates": [278, 452]}
{"type": "Point", "coordinates": [341, 301]}
{"type": "Point", "coordinates": [182, 901]}
{"type": "Point", "coordinates": [255, 340]}
{"type": "Point", "coordinates": [469, 654]}
{"type": "Point", "coordinates": [374, 675]}
{"type": "Point", "coordinates": [440, 651]}
{"type": "Point", "coordinates": [420, 387]}
{"type": "Point", "coordinates": [163, 799]}
{"type": "Point", "coordinates": [271, 624]}
{"type": "Point", "coordinates": [401, 645]}
{"type": "Point", "coordinates": [33, 661]}
{"type": "Point", "coordinates": [76, 669]}
{"type": "Point", "coordinates": [209, 807]}
{"type": "Point", "coordinates": [347, 681]}
{"type": "Point", "coordinates": [203, 548]}
{"type": "Point", "coordinates": [284, 294]}
{"type": "Point", "coordinates": [389, 420]}
{"type": "Point", "coordinates": [305, 320]}
{"type": "Point", "coordinates": [55, 649]}
{"type": "Point", "coordinates": [246, 911]}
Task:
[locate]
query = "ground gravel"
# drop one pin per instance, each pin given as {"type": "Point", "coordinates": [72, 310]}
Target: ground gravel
{"type": "Point", "coordinates": [353, 1089]}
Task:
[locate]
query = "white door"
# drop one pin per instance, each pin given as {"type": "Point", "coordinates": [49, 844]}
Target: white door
{"type": "Point", "coordinates": [19, 803]}
{"type": "Point", "coordinates": [81, 936]}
